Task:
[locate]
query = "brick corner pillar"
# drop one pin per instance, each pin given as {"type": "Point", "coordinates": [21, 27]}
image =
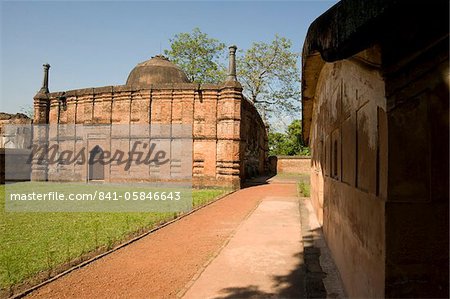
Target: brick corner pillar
{"type": "Point", "coordinates": [41, 103]}
{"type": "Point", "coordinates": [228, 127]}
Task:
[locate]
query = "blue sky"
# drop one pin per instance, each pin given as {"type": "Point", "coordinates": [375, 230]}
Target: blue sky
{"type": "Point", "coordinates": [91, 44]}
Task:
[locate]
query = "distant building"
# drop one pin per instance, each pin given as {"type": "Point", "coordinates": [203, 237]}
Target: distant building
{"type": "Point", "coordinates": [15, 142]}
{"type": "Point", "coordinates": [229, 136]}
{"type": "Point", "coordinates": [14, 139]}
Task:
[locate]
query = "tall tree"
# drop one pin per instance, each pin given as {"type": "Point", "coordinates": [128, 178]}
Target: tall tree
{"type": "Point", "coordinates": [288, 143]}
{"type": "Point", "coordinates": [270, 76]}
{"type": "Point", "coordinates": [198, 55]}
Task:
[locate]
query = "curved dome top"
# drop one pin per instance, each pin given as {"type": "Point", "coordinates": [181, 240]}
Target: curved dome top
{"type": "Point", "coordinates": [156, 70]}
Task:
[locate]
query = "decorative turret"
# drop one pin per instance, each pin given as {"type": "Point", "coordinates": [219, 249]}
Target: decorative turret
{"type": "Point", "coordinates": [232, 64]}
{"type": "Point", "coordinates": [44, 88]}
{"type": "Point", "coordinates": [41, 101]}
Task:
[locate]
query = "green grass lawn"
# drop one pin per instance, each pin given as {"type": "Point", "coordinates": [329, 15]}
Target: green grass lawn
{"type": "Point", "coordinates": [36, 242]}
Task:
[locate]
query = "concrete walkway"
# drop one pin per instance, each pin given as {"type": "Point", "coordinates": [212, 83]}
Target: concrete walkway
{"type": "Point", "coordinates": [278, 251]}
{"type": "Point", "coordinates": [262, 259]}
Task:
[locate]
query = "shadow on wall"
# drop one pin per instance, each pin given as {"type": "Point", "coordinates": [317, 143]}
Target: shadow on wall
{"type": "Point", "coordinates": [13, 165]}
{"type": "Point", "coordinates": [305, 281]}
{"type": "Point", "coordinates": [273, 161]}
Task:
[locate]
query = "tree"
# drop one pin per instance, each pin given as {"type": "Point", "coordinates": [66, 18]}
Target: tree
{"type": "Point", "coordinates": [268, 72]}
{"type": "Point", "coordinates": [28, 110]}
{"type": "Point", "coordinates": [198, 55]}
{"type": "Point", "coordinates": [270, 77]}
{"type": "Point", "coordinates": [278, 144]}
{"type": "Point", "coordinates": [289, 143]}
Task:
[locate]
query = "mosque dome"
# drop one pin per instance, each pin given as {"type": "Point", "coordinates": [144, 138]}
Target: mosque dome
{"type": "Point", "coordinates": [156, 70]}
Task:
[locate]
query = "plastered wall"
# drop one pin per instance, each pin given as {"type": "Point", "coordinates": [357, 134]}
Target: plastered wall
{"type": "Point", "coordinates": [348, 180]}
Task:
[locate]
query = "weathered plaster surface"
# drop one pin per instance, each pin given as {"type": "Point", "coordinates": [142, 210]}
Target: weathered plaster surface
{"type": "Point", "coordinates": [347, 188]}
{"type": "Point", "coordinates": [380, 143]}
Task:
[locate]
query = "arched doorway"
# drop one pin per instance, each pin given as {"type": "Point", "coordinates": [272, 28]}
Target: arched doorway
{"type": "Point", "coordinates": [96, 165]}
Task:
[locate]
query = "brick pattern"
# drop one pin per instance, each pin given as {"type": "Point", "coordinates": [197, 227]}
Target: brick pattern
{"type": "Point", "coordinates": [229, 137]}
{"type": "Point", "coordinates": [293, 164]}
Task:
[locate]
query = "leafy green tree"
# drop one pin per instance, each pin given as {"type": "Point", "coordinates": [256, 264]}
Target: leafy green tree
{"type": "Point", "coordinates": [289, 143]}
{"type": "Point", "coordinates": [198, 55]}
{"type": "Point", "coordinates": [268, 72]}
{"type": "Point", "coordinates": [278, 144]}
{"type": "Point", "coordinates": [270, 76]}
